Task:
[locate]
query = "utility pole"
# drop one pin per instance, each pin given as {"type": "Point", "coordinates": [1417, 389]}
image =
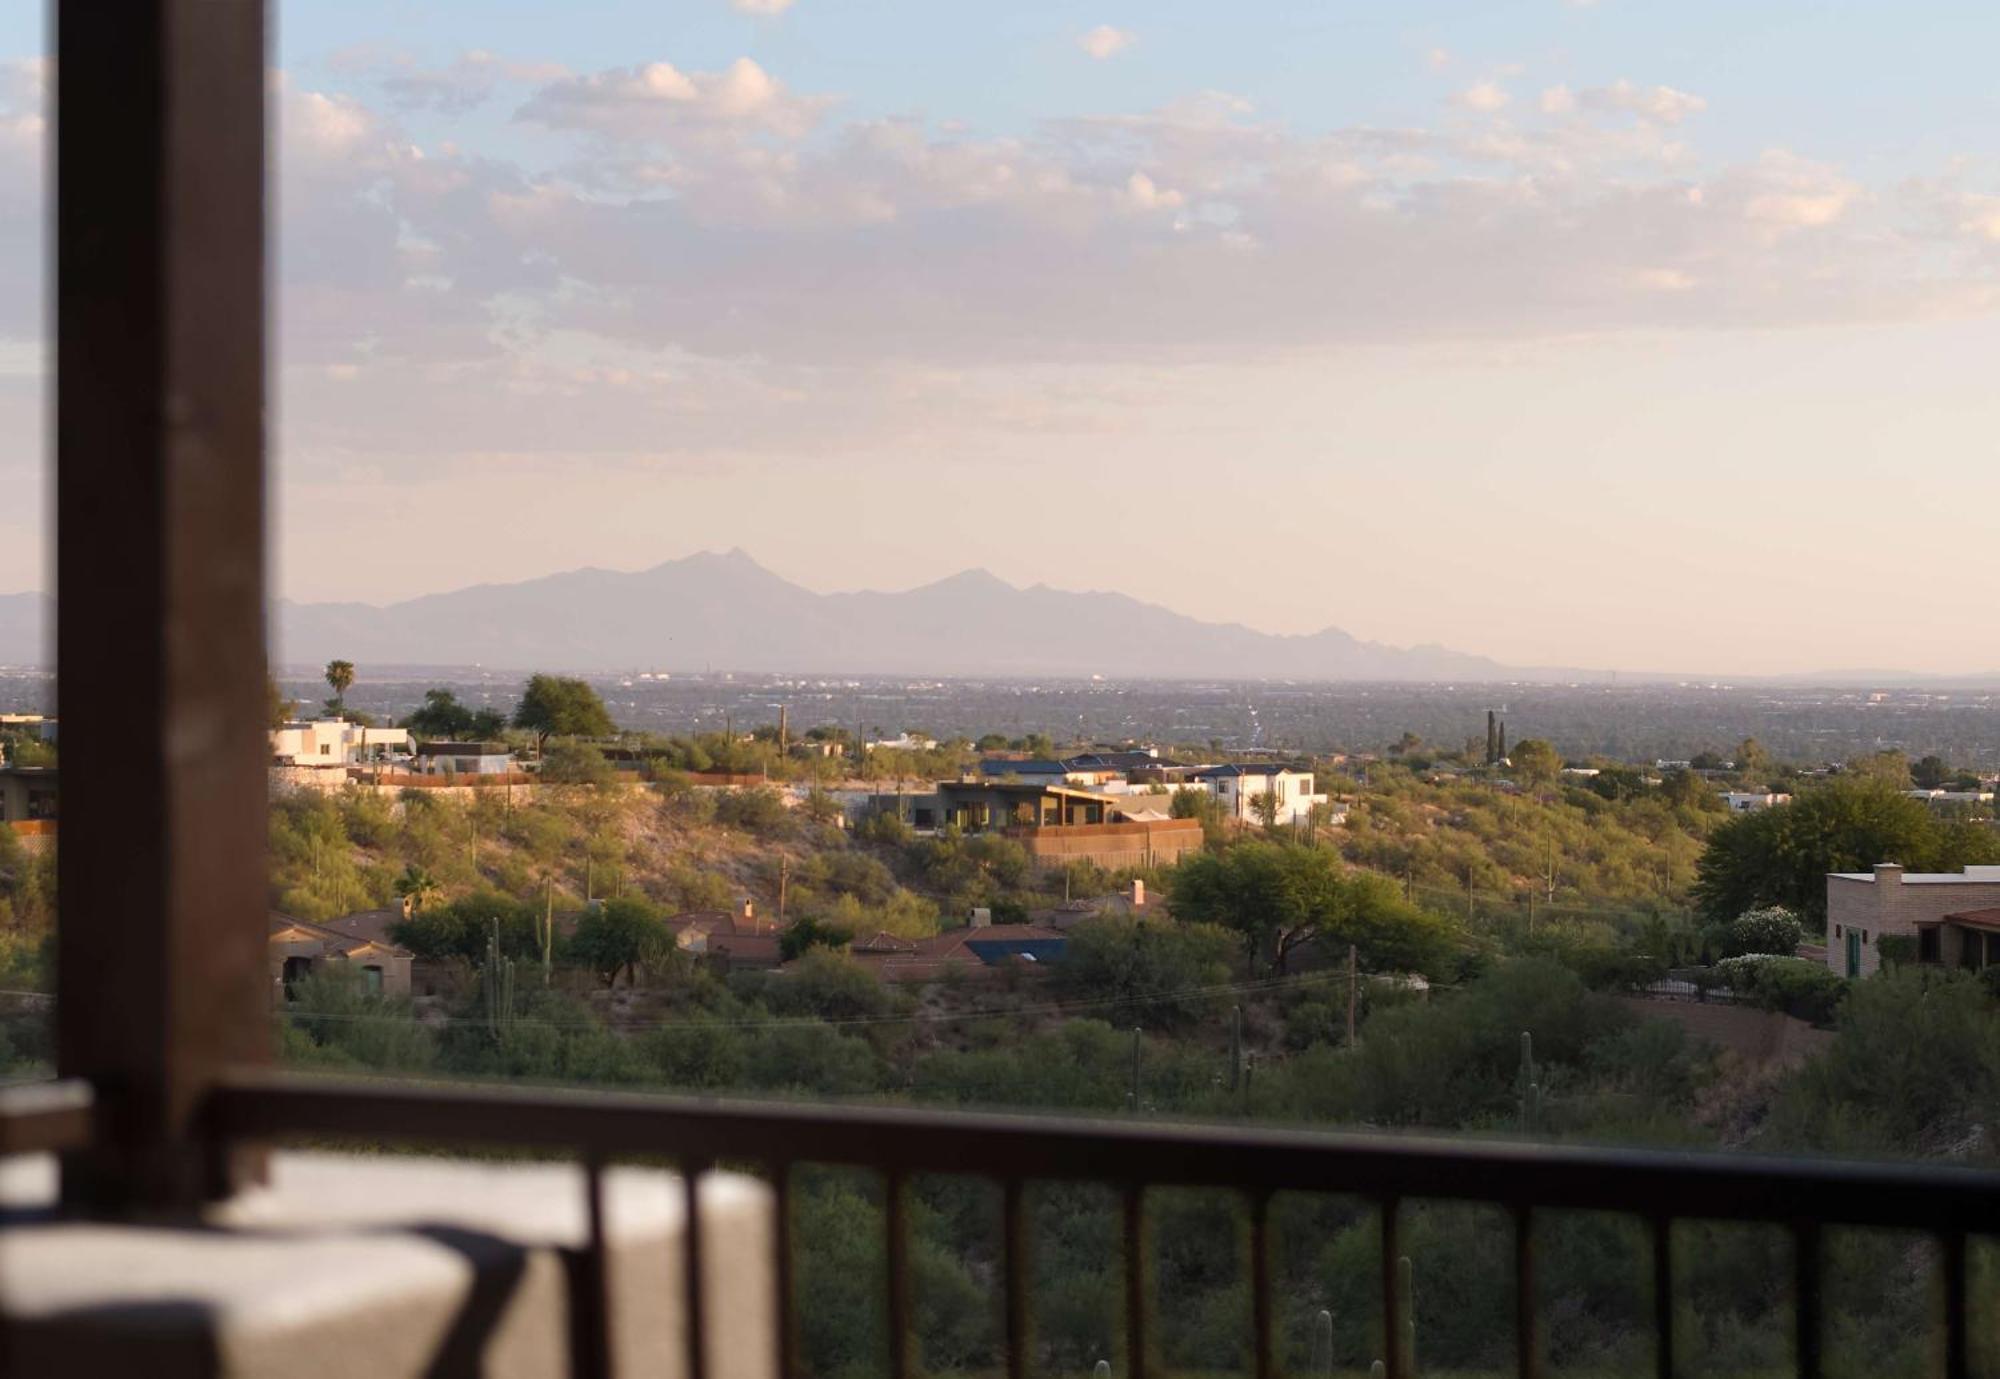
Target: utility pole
{"type": "Point", "coordinates": [1353, 989]}
{"type": "Point", "coordinates": [548, 927]}
{"type": "Point", "coordinates": [1132, 1100]}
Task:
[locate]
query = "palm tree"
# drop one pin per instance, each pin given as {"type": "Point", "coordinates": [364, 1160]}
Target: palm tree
{"type": "Point", "coordinates": [418, 888]}
{"type": "Point", "coordinates": [339, 674]}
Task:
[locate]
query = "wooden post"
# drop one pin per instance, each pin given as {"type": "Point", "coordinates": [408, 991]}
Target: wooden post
{"type": "Point", "coordinates": [159, 311]}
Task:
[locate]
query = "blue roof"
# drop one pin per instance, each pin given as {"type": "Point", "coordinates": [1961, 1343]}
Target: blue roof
{"type": "Point", "coordinates": [992, 766]}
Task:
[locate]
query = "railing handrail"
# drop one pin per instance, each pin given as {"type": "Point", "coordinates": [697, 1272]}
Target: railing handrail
{"type": "Point", "coordinates": [1705, 1184]}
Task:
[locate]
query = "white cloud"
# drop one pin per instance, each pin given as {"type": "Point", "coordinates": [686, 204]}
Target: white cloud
{"type": "Point", "coordinates": [655, 100]}
{"type": "Point", "coordinates": [1437, 59]}
{"type": "Point", "coordinates": [1558, 100]}
{"type": "Point", "coordinates": [767, 8]}
{"type": "Point", "coordinates": [1485, 96]}
{"type": "Point", "coordinates": [1105, 41]}
{"type": "Point", "coordinates": [1148, 196]}
{"type": "Point", "coordinates": [1662, 104]}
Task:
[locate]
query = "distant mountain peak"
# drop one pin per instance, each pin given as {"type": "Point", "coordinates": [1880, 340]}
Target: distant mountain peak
{"type": "Point", "coordinates": [724, 610]}
{"type": "Point", "coordinates": [975, 580]}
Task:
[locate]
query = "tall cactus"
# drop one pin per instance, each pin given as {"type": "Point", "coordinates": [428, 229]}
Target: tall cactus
{"type": "Point", "coordinates": [1531, 1090]}
{"type": "Point", "coordinates": [1406, 1300]}
{"type": "Point", "coordinates": [1322, 1351]}
{"type": "Point", "coordinates": [497, 977]}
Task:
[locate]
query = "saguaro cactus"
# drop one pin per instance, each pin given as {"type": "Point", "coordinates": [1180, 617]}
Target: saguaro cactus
{"type": "Point", "coordinates": [1531, 1090]}
{"type": "Point", "coordinates": [1322, 1350]}
{"type": "Point", "coordinates": [1406, 1299]}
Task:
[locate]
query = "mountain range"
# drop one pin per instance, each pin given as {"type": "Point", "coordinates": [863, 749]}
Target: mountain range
{"type": "Point", "coordinates": [727, 612]}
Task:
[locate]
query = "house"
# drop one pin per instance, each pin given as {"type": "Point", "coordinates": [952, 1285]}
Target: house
{"type": "Point", "coordinates": [1062, 824]}
{"type": "Point", "coordinates": [334, 743]}
{"type": "Point", "coordinates": [739, 937]}
{"type": "Point", "coordinates": [297, 947]}
{"type": "Point", "coordinates": [27, 793]}
{"type": "Point", "coordinates": [1238, 788]}
{"type": "Point", "coordinates": [979, 950]}
{"type": "Point", "coordinates": [907, 742]}
{"type": "Point", "coordinates": [464, 759]}
{"type": "Point", "coordinates": [1951, 796]}
{"type": "Point", "coordinates": [1748, 801]}
{"type": "Point", "coordinates": [1929, 907]}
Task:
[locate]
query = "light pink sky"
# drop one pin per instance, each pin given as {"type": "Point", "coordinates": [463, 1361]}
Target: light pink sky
{"type": "Point", "coordinates": [1545, 351]}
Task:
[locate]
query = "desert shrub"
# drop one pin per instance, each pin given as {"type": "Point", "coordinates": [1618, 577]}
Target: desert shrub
{"type": "Point", "coordinates": [1796, 986]}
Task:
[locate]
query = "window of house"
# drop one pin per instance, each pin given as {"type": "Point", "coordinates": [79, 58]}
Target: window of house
{"type": "Point", "coordinates": [1929, 944]}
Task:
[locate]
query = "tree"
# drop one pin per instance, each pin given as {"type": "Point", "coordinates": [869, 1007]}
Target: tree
{"type": "Point", "coordinates": [339, 674]}
{"type": "Point", "coordinates": [1265, 805]}
{"type": "Point", "coordinates": [1781, 856]}
{"type": "Point", "coordinates": [418, 888]}
{"type": "Point", "coordinates": [277, 708]}
{"type": "Point", "coordinates": [1536, 761]}
{"type": "Point", "coordinates": [1931, 773]}
{"type": "Point", "coordinates": [442, 717]}
{"type": "Point", "coordinates": [806, 932]}
{"type": "Point", "coordinates": [613, 937]}
{"type": "Point", "coordinates": [560, 706]}
{"type": "Point", "coordinates": [1752, 760]}
{"type": "Point", "coordinates": [1278, 896]}
{"type": "Point", "coordinates": [576, 763]}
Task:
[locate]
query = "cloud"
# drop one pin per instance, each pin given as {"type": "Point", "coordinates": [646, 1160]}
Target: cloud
{"type": "Point", "coordinates": [1437, 59]}
{"type": "Point", "coordinates": [1485, 97]}
{"type": "Point", "coordinates": [767, 8]}
{"type": "Point", "coordinates": [1105, 41]}
{"type": "Point", "coordinates": [656, 100]}
{"type": "Point", "coordinates": [467, 83]}
{"type": "Point", "coordinates": [1558, 100]}
{"type": "Point", "coordinates": [1662, 104]}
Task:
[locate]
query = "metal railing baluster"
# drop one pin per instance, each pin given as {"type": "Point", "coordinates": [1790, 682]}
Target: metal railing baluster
{"type": "Point", "coordinates": [895, 1220]}
{"type": "Point", "coordinates": [1527, 1352]}
{"type": "Point", "coordinates": [1957, 1349]}
{"type": "Point", "coordinates": [1806, 1297]}
{"type": "Point", "coordinates": [781, 1244]}
{"type": "Point", "coordinates": [1260, 1283]}
{"type": "Point", "coordinates": [692, 1256]}
{"type": "Point", "coordinates": [1392, 1305]}
{"type": "Point", "coordinates": [1662, 1229]}
{"type": "Point", "coordinates": [590, 1297]}
{"type": "Point", "coordinates": [1014, 1247]}
{"type": "Point", "coordinates": [1138, 1338]}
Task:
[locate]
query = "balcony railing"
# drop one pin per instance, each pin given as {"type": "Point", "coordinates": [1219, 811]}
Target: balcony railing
{"type": "Point", "coordinates": [1803, 1197]}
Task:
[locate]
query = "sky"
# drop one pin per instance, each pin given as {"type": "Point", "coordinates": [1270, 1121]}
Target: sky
{"type": "Point", "coordinates": [1609, 334]}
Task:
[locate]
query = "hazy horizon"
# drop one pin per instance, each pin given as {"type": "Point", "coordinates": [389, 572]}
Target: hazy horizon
{"type": "Point", "coordinates": [1556, 332]}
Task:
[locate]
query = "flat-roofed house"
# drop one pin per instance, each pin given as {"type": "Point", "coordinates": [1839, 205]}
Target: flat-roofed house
{"type": "Point", "coordinates": [1940, 910]}
{"type": "Point", "coordinates": [464, 759]}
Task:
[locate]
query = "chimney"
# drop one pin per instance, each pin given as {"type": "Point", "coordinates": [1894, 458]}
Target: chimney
{"type": "Point", "coordinates": [1138, 892]}
{"type": "Point", "coordinates": [1888, 874]}
{"type": "Point", "coordinates": [749, 913]}
{"type": "Point", "coordinates": [982, 917]}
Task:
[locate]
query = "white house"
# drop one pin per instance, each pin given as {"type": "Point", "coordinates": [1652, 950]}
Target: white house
{"type": "Point", "coordinates": [334, 743]}
{"type": "Point", "coordinates": [464, 759]}
{"type": "Point", "coordinates": [1238, 787]}
{"type": "Point", "coordinates": [1746, 801]}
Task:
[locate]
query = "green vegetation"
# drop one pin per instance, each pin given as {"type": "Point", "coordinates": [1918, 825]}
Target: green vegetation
{"type": "Point", "coordinates": [1782, 856]}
